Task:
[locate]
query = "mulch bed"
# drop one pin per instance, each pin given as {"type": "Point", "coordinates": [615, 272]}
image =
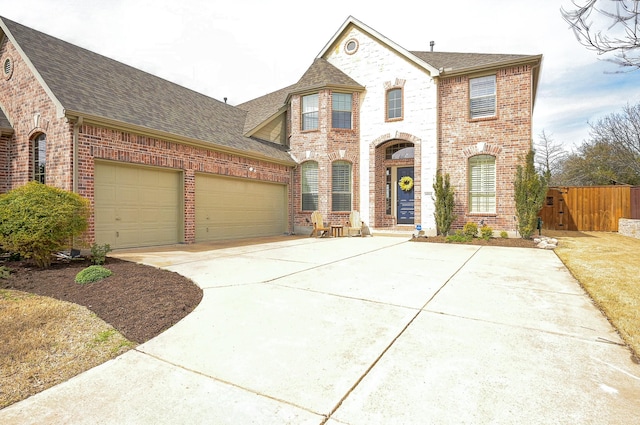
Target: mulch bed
{"type": "Point", "coordinates": [139, 301]}
{"type": "Point", "coordinates": [510, 242]}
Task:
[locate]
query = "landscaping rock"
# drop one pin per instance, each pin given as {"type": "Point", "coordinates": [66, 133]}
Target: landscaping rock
{"type": "Point", "coordinates": [545, 243]}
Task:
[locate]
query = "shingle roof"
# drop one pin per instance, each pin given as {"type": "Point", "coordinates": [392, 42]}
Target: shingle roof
{"type": "Point", "coordinates": [320, 74]}
{"type": "Point", "coordinates": [4, 122]}
{"type": "Point", "coordinates": [457, 62]}
{"type": "Point", "coordinates": [90, 84]}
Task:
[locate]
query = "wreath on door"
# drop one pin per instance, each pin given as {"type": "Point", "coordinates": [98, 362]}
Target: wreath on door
{"type": "Point", "coordinates": [406, 183]}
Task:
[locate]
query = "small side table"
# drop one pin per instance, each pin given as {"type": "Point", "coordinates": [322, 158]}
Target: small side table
{"type": "Point", "coordinates": [336, 230]}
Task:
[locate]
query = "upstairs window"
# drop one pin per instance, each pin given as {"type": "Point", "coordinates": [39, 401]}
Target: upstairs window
{"type": "Point", "coordinates": [394, 104]}
{"type": "Point", "coordinates": [341, 110]}
{"type": "Point", "coordinates": [482, 97]}
{"type": "Point", "coordinates": [40, 158]}
{"type": "Point", "coordinates": [309, 171]}
{"type": "Point", "coordinates": [482, 184]}
{"type": "Point", "coordinates": [341, 186]}
{"type": "Point", "coordinates": [310, 112]}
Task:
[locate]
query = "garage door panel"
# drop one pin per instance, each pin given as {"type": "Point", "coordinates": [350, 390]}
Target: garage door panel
{"type": "Point", "coordinates": [233, 208]}
{"type": "Point", "coordinates": [131, 210]}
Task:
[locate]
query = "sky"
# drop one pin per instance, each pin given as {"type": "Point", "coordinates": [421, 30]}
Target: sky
{"type": "Point", "coordinates": [243, 49]}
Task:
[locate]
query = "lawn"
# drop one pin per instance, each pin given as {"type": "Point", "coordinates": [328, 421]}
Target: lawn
{"type": "Point", "coordinates": [607, 267]}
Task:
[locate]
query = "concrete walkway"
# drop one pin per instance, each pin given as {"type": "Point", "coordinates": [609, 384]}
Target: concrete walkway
{"type": "Point", "coordinates": [362, 331]}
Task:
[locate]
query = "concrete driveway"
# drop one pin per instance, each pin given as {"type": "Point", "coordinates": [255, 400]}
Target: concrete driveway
{"type": "Point", "coordinates": [362, 331]}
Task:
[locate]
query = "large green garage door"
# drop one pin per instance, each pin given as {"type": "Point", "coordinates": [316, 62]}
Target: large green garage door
{"type": "Point", "coordinates": [228, 208]}
{"type": "Point", "coordinates": [137, 206]}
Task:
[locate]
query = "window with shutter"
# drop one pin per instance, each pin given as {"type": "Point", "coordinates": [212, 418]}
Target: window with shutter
{"type": "Point", "coordinates": [309, 172]}
{"type": "Point", "coordinates": [341, 186]}
{"type": "Point", "coordinates": [482, 184]}
{"type": "Point", "coordinates": [482, 96]}
{"type": "Point", "coordinates": [310, 112]}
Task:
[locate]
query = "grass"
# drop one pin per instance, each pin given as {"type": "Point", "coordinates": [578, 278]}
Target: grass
{"type": "Point", "coordinates": [44, 342]}
{"type": "Point", "coordinates": [606, 265]}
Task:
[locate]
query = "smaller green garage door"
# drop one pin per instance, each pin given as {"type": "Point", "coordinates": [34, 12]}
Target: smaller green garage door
{"type": "Point", "coordinates": [228, 208]}
{"type": "Point", "coordinates": [137, 206]}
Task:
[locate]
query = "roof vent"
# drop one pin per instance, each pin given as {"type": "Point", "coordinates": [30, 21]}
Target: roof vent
{"type": "Point", "coordinates": [432, 43]}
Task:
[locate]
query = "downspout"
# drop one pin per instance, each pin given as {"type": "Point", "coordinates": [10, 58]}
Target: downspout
{"type": "Point", "coordinates": [291, 200]}
{"type": "Point", "coordinates": [74, 165]}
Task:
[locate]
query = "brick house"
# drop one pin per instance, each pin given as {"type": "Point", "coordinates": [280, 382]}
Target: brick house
{"type": "Point", "coordinates": [162, 164]}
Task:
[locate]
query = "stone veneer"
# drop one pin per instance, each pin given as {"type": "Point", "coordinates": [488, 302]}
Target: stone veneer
{"type": "Point", "coordinates": [629, 227]}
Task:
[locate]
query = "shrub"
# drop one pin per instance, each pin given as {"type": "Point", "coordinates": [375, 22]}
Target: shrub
{"type": "Point", "coordinates": [99, 253]}
{"type": "Point", "coordinates": [5, 272]}
{"type": "Point", "coordinates": [459, 236]}
{"type": "Point", "coordinates": [486, 232]}
{"type": "Point", "coordinates": [92, 274]}
{"type": "Point", "coordinates": [444, 199]}
{"type": "Point", "coordinates": [530, 191]}
{"type": "Point", "coordinates": [504, 235]}
{"type": "Point", "coordinates": [470, 229]}
{"type": "Point", "coordinates": [38, 220]}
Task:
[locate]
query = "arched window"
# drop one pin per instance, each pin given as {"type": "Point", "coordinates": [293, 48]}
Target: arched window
{"type": "Point", "coordinates": [309, 172]}
{"type": "Point", "coordinates": [40, 158]}
{"type": "Point", "coordinates": [341, 186]}
{"type": "Point", "coordinates": [482, 184]}
{"type": "Point", "coordinates": [399, 151]}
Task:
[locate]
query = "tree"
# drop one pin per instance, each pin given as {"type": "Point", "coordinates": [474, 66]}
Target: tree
{"type": "Point", "coordinates": [549, 157]}
{"type": "Point", "coordinates": [530, 192]}
{"type": "Point", "coordinates": [444, 198]}
{"type": "Point", "coordinates": [608, 27]}
{"type": "Point", "coordinates": [37, 220]}
{"type": "Point", "coordinates": [622, 133]}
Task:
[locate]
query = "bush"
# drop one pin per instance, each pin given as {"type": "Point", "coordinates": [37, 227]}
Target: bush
{"type": "Point", "coordinates": [38, 220]}
{"type": "Point", "coordinates": [459, 236]}
{"type": "Point", "coordinates": [486, 232]}
{"type": "Point", "coordinates": [444, 200]}
{"type": "Point", "coordinates": [470, 229]}
{"type": "Point", "coordinates": [530, 191]}
{"type": "Point", "coordinates": [504, 235]}
{"type": "Point", "coordinates": [5, 272]}
{"type": "Point", "coordinates": [99, 253]}
{"type": "Point", "coordinates": [92, 274]}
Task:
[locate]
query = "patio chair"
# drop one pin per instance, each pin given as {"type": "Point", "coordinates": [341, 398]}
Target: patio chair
{"type": "Point", "coordinates": [354, 225]}
{"type": "Point", "coordinates": [319, 227]}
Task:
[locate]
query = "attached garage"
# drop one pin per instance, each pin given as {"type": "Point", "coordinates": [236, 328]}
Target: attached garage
{"type": "Point", "coordinates": [137, 206]}
{"type": "Point", "coordinates": [232, 208]}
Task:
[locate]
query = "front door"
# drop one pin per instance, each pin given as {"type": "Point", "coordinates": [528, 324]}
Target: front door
{"type": "Point", "coordinates": [405, 195]}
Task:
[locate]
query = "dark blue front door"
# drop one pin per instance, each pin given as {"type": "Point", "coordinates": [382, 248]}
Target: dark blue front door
{"type": "Point", "coordinates": [405, 197]}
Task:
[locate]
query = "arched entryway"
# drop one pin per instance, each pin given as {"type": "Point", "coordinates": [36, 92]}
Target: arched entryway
{"type": "Point", "coordinates": [397, 181]}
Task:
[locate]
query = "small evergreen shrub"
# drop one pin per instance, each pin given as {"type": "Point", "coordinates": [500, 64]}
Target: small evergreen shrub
{"type": "Point", "coordinates": [99, 253]}
{"type": "Point", "coordinates": [486, 232]}
{"type": "Point", "coordinates": [504, 235]}
{"type": "Point", "coordinates": [92, 274]}
{"type": "Point", "coordinates": [459, 236]}
{"type": "Point", "coordinates": [470, 229]}
{"type": "Point", "coordinates": [4, 272]}
{"type": "Point", "coordinates": [444, 200]}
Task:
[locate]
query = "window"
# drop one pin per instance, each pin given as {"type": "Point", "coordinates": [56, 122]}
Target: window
{"type": "Point", "coordinates": [309, 186]}
{"type": "Point", "coordinates": [399, 151]}
{"type": "Point", "coordinates": [482, 184]}
{"type": "Point", "coordinates": [482, 96]}
{"type": "Point", "coordinates": [341, 186]}
{"type": "Point", "coordinates": [341, 110]}
{"type": "Point", "coordinates": [351, 46]}
{"type": "Point", "coordinates": [394, 104]}
{"type": "Point", "coordinates": [310, 112]}
{"type": "Point", "coordinates": [39, 158]}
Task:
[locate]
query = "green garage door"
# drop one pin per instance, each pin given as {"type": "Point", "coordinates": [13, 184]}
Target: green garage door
{"type": "Point", "coordinates": [228, 208]}
{"type": "Point", "coordinates": [137, 206]}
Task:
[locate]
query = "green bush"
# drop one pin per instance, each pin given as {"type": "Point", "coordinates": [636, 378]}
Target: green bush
{"type": "Point", "coordinates": [5, 272]}
{"type": "Point", "coordinates": [92, 274]}
{"type": "Point", "coordinates": [444, 200]}
{"type": "Point", "coordinates": [38, 220]}
{"type": "Point", "coordinates": [504, 235]}
{"type": "Point", "coordinates": [459, 236]}
{"type": "Point", "coordinates": [530, 192]}
{"type": "Point", "coordinates": [486, 232]}
{"type": "Point", "coordinates": [99, 253]}
{"type": "Point", "coordinates": [470, 229]}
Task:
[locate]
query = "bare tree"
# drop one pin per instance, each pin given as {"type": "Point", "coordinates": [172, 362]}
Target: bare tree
{"type": "Point", "coordinates": [549, 157]}
{"type": "Point", "coordinates": [608, 26]}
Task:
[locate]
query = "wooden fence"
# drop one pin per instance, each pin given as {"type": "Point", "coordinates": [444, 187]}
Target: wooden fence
{"type": "Point", "coordinates": [589, 208]}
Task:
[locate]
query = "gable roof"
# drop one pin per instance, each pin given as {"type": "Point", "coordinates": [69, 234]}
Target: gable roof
{"type": "Point", "coordinates": [85, 84]}
{"type": "Point", "coordinates": [321, 74]}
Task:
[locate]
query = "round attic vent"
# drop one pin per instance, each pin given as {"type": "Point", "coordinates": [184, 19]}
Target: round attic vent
{"type": "Point", "coordinates": [351, 46]}
{"type": "Point", "coordinates": [7, 67]}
